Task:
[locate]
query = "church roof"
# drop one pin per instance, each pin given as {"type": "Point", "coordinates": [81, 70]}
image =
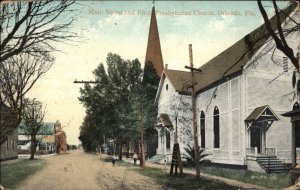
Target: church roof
{"type": "Point", "coordinates": [153, 53]}
{"type": "Point", "coordinates": [178, 78]}
{"type": "Point", "coordinates": [230, 62]}
{"type": "Point", "coordinates": [233, 59]}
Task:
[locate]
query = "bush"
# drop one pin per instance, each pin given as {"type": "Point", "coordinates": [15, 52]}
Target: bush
{"type": "Point", "coordinates": [190, 156]}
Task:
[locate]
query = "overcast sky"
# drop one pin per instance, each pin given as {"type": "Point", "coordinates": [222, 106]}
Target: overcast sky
{"type": "Point", "coordinates": [122, 28]}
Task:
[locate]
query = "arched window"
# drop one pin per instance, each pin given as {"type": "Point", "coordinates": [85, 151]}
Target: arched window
{"type": "Point", "coordinates": [167, 87]}
{"type": "Point", "coordinates": [216, 128]}
{"type": "Point", "coordinates": [202, 129]}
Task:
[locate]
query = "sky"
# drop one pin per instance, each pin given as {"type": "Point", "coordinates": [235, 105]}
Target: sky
{"type": "Point", "coordinates": [122, 27]}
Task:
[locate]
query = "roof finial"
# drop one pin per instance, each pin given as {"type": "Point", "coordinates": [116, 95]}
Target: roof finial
{"type": "Point", "coordinates": [153, 3]}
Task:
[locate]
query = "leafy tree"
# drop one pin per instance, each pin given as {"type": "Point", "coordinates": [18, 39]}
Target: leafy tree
{"type": "Point", "coordinates": [143, 114]}
{"type": "Point", "coordinates": [33, 117]}
{"type": "Point", "coordinates": [121, 104]}
{"type": "Point", "coordinates": [107, 103]}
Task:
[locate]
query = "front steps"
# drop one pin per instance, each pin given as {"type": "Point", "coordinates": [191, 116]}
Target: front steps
{"type": "Point", "coordinates": [271, 164]}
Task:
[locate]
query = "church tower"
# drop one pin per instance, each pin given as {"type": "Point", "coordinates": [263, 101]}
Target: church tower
{"type": "Point", "coordinates": [153, 53]}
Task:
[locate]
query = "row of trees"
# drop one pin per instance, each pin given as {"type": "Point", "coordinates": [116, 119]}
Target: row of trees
{"type": "Point", "coordinates": [120, 106]}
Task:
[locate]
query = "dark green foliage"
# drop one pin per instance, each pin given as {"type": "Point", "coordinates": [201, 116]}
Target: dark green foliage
{"type": "Point", "coordinates": [191, 155]}
{"type": "Point", "coordinates": [151, 79]}
{"type": "Point", "coordinates": [114, 104]}
{"type": "Point", "coordinates": [108, 102]}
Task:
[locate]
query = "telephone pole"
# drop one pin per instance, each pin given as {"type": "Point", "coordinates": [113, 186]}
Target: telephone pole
{"type": "Point", "coordinates": [195, 131]}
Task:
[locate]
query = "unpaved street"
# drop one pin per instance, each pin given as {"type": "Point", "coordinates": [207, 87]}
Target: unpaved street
{"type": "Point", "coordinates": [78, 170]}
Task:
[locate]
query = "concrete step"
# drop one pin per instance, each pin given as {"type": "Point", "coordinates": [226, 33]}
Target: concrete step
{"type": "Point", "coordinates": [272, 164]}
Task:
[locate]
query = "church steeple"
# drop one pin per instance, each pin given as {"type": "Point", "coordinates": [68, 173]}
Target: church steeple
{"type": "Point", "coordinates": [153, 53]}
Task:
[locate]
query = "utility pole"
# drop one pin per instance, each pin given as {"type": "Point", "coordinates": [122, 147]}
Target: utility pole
{"type": "Point", "coordinates": [195, 131]}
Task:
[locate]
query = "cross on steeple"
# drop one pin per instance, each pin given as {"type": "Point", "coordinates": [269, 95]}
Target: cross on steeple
{"type": "Point", "coordinates": [153, 3]}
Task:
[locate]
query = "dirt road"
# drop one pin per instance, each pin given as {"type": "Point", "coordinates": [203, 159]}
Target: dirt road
{"type": "Point", "coordinates": [78, 170]}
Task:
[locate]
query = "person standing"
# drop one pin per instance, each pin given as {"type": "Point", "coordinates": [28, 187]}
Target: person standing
{"type": "Point", "coordinates": [134, 158]}
{"type": "Point", "coordinates": [114, 160]}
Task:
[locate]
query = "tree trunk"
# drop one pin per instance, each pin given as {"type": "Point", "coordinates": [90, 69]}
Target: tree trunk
{"type": "Point", "coordinates": [178, 153]}
{"type": "Point", "coordinates": [127, 150]}
{"type": "Point", "coordinates": [142, 157]}
{"type": "Point", "coordinates": [120, 150]}
{"type": "Point", "coordinates": [33, 147]}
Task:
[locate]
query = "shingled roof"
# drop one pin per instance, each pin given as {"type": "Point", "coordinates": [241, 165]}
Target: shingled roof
{"type": "Point", "coordinates": [178, 78]}
{"type": "Point", "coordinates": [265, 112]}
{"type": "Point", "coordinates": [230, 62]}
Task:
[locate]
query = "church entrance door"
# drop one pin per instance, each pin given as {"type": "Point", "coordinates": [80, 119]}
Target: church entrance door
{"type": "Point", "coordinates": [255, 138]}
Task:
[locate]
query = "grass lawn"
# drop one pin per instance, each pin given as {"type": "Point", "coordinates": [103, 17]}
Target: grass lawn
{"type": "Point", "coordinates": [274, 181]}
{"type": "Point", "coordinates": [186, 181]}
{"type": "Point", "coordinates": [13, 174]}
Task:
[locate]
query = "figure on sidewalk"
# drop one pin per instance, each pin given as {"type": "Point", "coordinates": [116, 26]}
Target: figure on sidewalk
{"type": "Point", "coordinates": [114, 160]}
{"type": "Point", "coordinates": [134, 158]}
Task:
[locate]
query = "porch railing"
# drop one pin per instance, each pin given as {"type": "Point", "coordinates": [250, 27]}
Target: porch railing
{"type": "Point", "coordinates": [251, 151]}
{"type": "Point", "coordinates": [268, 151]}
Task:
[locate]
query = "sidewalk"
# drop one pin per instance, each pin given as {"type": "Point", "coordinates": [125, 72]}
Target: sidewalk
{"type": "Point", "coordinates": [21, 156]}
{"type": "Point", "coordinates": [227, 181]}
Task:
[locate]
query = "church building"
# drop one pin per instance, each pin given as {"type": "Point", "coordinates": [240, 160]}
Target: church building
{"type": "Point", "coordinates": [241, 95]}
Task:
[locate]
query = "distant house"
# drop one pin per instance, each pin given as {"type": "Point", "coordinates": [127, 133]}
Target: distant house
{"type": "Point", "coordinates": [24, 145]}
{"type": "Point", "coordinates": [45, 138]}
{"type": "Point", "coordinates": [9, 146]}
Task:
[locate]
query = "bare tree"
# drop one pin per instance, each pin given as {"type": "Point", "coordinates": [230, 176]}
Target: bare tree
{"type": "Point", "coordinates": [280, 37]}
{"type": "Point", "coordinates": [32, 26]}
{"type": "Point", "coordinates": [33, 116]}
{"type": "Point", "coordinates": [17, 76]}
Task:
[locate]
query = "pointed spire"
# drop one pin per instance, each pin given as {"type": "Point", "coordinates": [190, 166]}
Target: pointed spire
{"type": "Point", "coordinates": [153, 53]}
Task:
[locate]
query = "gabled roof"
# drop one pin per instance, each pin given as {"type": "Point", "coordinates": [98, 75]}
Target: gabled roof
{"type": "Point", "coordinates": [46, 129]}
{"type": "Point", "coordinates": [262, 113]}
{"type": "Point", "coordinates": [165, 120]}
{"type": "Point", "coordinates": [178, 78]}
{"type": "Point", "coordinates": [233, 59]}
{"type": "Point", "coordinates": [230, 62]}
